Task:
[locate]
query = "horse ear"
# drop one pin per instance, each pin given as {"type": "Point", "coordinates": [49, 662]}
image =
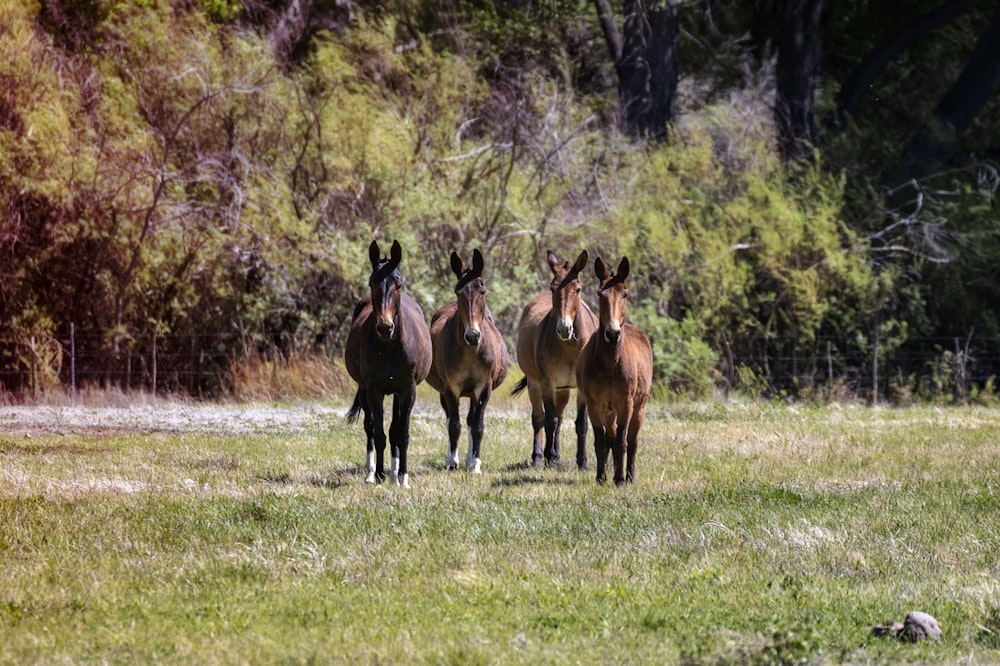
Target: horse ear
{"type": "Point", "coordinates": [456, 264]}
{"type": "Point", "coordinates": [553, 260]}
{"type": "Point", "coordinates": [581, 262]}
{"type": "Point", "coordinates": [397, 252]}
{"type": "Point", "coordinates": [623, 268]}
{"type": "Point", "coordinates": [477, 262]}
{"type": "Point", "coordinates": [600, 270]}
{"type": "Point", "coordinates": [373, 254]}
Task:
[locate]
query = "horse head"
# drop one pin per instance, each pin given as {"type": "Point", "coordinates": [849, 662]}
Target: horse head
{"type": "Point", "coordinates": [613, 296]}
{"type": "Point", "coordinates": [566, 289]}
{"type": "Point", "coordinates": [386, 284]}
{"type": "Point", "coordinates": [471, 295]}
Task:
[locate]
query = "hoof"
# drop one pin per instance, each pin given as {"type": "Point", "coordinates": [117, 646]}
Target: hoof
{"type": "Point", "coordinates": [371, 477]}
{"type": "Point", "coordinates": [451, 467]}
{"type": "Point", "coordinates": [582, 465]}
{"type": "Point", "coordinates": [403, 480]}
{"type": "Point", "coordinates": [537, 461]}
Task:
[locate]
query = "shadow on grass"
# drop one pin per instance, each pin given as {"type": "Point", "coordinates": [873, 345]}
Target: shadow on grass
{"type": "Point", "coordinates": [525, 474]}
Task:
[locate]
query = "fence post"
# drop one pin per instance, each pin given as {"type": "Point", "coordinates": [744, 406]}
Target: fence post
{"type": "Point", "coordinates": [72, 359]}
{"type": "Point", "coordinates": [875, 369]}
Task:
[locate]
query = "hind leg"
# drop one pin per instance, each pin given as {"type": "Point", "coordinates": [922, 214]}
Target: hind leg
{"type": "Point", "coordinates": [537, 422]}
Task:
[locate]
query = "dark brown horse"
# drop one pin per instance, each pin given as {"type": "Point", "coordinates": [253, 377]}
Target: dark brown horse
{"type": "Point", "coordinates": [615, 374]}
{"type": "Point", "coordinates": [554, 327]}
{"type": "Point", "coordinates": [388, 351]}
{"type": "Point", "coordinates": [470, 358]}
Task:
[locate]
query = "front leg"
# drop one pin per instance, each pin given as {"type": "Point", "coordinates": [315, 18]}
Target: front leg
{"type": "Point", "coordinates": [453, 422]}
{"type": "Point", "coordinates": [377, 436]}
{"type": "Point", "coordinates": [601, 451]}
{"type": "Point", "coordinates": [399, 431]}
{"type": "Point", "coordinates": [477, 426]}
{"type": "Point", "coordinates": [581, 432]}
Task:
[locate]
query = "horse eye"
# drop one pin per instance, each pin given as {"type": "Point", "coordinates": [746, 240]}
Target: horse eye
{"type": "Point", "coordinates": [626, 294]}
{"type": "Point", "coordinates": [579, 289]}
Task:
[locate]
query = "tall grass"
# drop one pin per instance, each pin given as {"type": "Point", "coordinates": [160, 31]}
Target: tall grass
{"type": "Point", "coordinates": [754, 534]}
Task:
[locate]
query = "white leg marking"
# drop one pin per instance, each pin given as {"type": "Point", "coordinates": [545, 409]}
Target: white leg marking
{"type": "Point", "coordinates": [370, 467]}
{"type": "Point", "coordinates": [451, 459]}
{"type": "Point", "coordinates": [403, 481]}
{"type": "Point", "coordinates": [394, 467]}
{"type": "Point", "coordinates": [469, 455]}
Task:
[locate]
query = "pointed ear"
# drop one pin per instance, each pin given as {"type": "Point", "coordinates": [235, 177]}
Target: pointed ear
{"type": "Point", "coordinates": [622, 269]}
{"type": "Point", "coordinates": [373, 254]}
{"type": "Point", "coordinates": [456, 264]}
{"type": "Point", "coordinates": [477, 262]}
{"type": "Point", "coordinates": [397, 253]}
{"type": "Point", "coordinates": [581, 262]}
{"type": "Point", "coordinates": [553, 260]}
{"type": "Point", "coordinates": [600, 270]}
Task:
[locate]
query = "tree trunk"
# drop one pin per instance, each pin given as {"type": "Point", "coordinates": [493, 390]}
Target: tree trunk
{"type": "Point", "coordinates": [645, 56]}
{"type": "Point", "coordinates": [798, 56]}
{"type": "Point", "coordinates": [935, 143]}
{"type": "Point", "coordinates": [864, 74]}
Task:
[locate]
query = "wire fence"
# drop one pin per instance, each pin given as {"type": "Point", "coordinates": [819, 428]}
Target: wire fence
{"type": "Point", "coordinates": [200, 365]}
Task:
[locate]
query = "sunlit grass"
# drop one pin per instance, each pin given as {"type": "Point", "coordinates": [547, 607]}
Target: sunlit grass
{"type": "Point", "coordinates": [754, 534]}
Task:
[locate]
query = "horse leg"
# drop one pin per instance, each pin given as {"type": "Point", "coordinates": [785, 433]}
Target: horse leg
{"type": "Point", "coordinates": [633, 441]}
{"type": "Point", "coordinates": [581, 432]}
{"type": "Point", "coordinates": [477, 425]}
{"type": "Point", "coordinates": [601, 452]}
{"type": "Point", "coordinates": [618, 451]}
{"type": "Point", "coordinates": [450, 403]}
{"type": "Point", "coordinates": [553, 420]}
{"type": "Point", "coordinates": [399, 432]}
{"type": "Point", "coordinates": [537, 422]}
{"type": "Point", "coordinates": [369, 423]}
{"type": "Point", "coordinates": [377, 437]}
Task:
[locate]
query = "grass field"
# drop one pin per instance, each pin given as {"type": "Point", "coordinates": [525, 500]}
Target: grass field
{"type": "Point", "coordinates": [754, 534]}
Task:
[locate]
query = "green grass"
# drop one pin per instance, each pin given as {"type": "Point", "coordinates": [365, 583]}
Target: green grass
{"type": "Point", "coordinates": [754, 534]}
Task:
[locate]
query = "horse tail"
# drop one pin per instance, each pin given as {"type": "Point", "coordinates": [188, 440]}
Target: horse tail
{"type": "Point", "coordinates": [520, 386]}
{"type": "Point", "coordinates": [352, 413]}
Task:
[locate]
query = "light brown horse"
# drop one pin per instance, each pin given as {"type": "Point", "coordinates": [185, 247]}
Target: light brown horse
{"type": "Point", "coordinates": [554, 327]}
{"type": "Point", "coordinates": [388, 351]}
{"type": "Point", "coordinates": [615, 373]}
{"type": "Point", "coordinates": [470, 358]}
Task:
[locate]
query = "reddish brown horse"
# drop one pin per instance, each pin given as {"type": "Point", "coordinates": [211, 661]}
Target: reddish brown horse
{"type": "Point", "coordinates": [388, 351]}
{"type": "Point", "coordinates": [614, 374]}
{"type": "Point", "coordinates": [470, 358]}
{"type": "Point", "coordinates": [554, 328]}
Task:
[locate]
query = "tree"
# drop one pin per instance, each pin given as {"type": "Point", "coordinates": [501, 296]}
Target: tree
{"type": "Point", "coordinates": [646, 63]}
{"type": "Point", "coordinates": [934, 144]}
{"type": "Point", "coordinates": [798, 43]}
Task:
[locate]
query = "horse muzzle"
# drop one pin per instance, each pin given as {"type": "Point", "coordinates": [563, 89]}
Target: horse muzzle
{"type": "Point", "coordinates": [472, 336]}
{"type": "Point", "coordinates": [564, 331]}
{"type": "Point", "coordinates": [385, 329]}
{"type": "Point", "coordinates": [612, 335]}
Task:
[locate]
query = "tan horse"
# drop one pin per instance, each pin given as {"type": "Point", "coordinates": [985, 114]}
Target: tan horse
{"type": "Point", "coordinates": [615, 374]}
{"type": "Point", "coordinates": [470, 358]}
{"type": "Point", "coordinates": [388, 351]}
{"type": "Point", "coordinates": [554, 327]}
